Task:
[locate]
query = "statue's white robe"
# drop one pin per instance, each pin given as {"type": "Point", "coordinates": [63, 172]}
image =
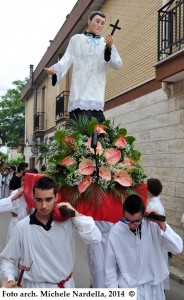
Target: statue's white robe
{"type": "Point", "coordinates": [86, 56]}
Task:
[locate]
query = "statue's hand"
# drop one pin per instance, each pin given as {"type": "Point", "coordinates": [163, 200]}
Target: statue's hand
{"type": "Point", "coordinates": [50, 71]}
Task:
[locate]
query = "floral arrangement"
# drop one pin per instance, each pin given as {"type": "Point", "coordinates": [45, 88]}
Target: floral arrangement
{"type": "Point", "coordinates": [85, 172]}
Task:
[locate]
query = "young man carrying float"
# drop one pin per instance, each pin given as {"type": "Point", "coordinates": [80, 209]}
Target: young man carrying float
{"type": "Point", "coordinates": [46, 245]}
{"type": "Point", "coordinates": [135, 251]}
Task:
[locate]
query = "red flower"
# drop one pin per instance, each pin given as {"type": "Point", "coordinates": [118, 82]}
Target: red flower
{"type": "Point", "coordinates": [86, 167]}
{"type": "Point", "coordinates": [112, 156]}
{"type": "Point", "coordinates": [123, 178]}
{"type": "Point", "coordinates": [84, 184]}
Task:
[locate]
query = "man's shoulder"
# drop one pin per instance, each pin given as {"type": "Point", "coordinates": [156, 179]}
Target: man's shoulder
{"type": "Point", "coordinates": [119, 226]}
{"type": "Point", "coordinates": [24, 222]}
{"type": "Point", "coordinates": [116, 232]}
{"type": "Point", "coordinates": [15, 182]}
{"type": "Point", "coordinates": [15, 179]}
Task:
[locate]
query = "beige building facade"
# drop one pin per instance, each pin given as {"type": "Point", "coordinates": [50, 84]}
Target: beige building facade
{"type": "Point", "coordinates": [146, 96]}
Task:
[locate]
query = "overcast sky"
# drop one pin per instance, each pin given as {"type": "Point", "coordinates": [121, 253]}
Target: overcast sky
{"type": "Point", "coordinates": [26, 26]}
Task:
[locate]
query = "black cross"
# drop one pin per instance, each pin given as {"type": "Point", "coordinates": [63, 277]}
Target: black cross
{"type": "Point", "coordinates": [115, 27]}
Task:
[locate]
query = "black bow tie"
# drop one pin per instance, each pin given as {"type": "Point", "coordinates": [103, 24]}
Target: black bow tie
{"type": "Point", "coordinates": [92, 34]}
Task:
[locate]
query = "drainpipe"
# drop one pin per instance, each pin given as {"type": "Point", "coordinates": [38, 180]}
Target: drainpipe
{"type": "Point", "coordinates": [31, 76]}
{"type": "Point", "coordinates": [34, 92]}
{"type": "Point", "coordinates": [35, 101]}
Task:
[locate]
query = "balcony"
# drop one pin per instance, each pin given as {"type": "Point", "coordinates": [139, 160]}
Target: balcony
{"type": "Point", "coordinates": [39, 124]}
{"type": "Point", "coordinates": [170, 66]}
{"type": "Point", "coordinates": [61, 107]}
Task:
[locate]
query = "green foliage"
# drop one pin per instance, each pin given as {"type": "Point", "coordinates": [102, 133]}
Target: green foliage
{"type": "Point", "coordinates": [12, 115]}
{"type": "Point", "coordinates": [16, 162]}
{"type": "Point", "coordinates": [79, 124]}
{"type": "Point", "coordinates": [4, 156]}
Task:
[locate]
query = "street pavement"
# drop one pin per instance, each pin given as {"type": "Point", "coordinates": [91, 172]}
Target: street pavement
{"type": "Point", "coordinates": [4, 223]}
{"type": "Point", "coordinates": [176, 291]}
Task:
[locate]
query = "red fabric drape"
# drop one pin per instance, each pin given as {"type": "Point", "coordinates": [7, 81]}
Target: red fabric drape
{"type": "Point", "coordinates": [110, 209]}
{"type": "Point", "coordinates": [30, 180]}
{"type": "Point", "coordinates": [141, 190]}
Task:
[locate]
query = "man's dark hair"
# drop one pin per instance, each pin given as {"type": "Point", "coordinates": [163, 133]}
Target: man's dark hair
{"type": "Point", "coordinates": [32, 170]}
{"type": "Point", "coordinates": [94, 13]}
{"type": "Point", "coordinates": [45, 183]}
{"type": "Point", "coordinates": [24, 164]}
{"type": "Point", "coordinates": [13, 168]}
{"type": "Point", "coordinates": [154, 186]}
{"type": "Point", "coordinates": [133, 204]}
{"type": "Point", "coordinates": [21, 167]}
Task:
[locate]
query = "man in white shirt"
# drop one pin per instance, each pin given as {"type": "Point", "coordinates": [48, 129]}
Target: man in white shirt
{"type": "Point", "coordinates": [9, 204]}
{"type": "Point", "coordinates": [46, 245]}
{"type": "Point", "coordinates": [134, 252]}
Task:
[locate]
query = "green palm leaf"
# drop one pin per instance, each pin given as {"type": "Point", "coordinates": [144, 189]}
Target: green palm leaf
{"type": "Point", "coordinates": [78, 124]}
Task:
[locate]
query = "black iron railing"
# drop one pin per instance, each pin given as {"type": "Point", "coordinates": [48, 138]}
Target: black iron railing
{"type": "Point", "coordinates": [61, 104]}
{"type": "Point", "coordinates": [39, 121]}
{"type": "Point", "coordinates": [170, 28]}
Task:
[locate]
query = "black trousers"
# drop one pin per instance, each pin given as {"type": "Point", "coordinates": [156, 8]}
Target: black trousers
{"type": "Point", "coordinates": [98, 114]}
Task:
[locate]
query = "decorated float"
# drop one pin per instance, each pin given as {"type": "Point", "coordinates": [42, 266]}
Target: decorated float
{"type": "Point", "coordinates": [95, 167]}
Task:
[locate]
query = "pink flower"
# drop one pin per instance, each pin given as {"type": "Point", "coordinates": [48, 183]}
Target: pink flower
{"type": "Point", "coordinates": [123, 178]}
{"type": "Point", "coordinates": [99, 149]}
{"type": "Point", "coordinates": [86, 167]}
{"type": "Point", "coordinates": [68, 139]}
{"type": "Point", "coordinates": [129, 163]}
{"type": "Point", "coordinates": [99, 128]}
{"type": "Point", "coordinates": [105, 173]}
{"type": "Point", "coordinates": [67, 161]}
{"type": "Point", "coordinates": [84, 184]}
{"type": "Point", "coordinates": [120, 142]}
{"type": "Point", "coordinates": [112, 156]}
